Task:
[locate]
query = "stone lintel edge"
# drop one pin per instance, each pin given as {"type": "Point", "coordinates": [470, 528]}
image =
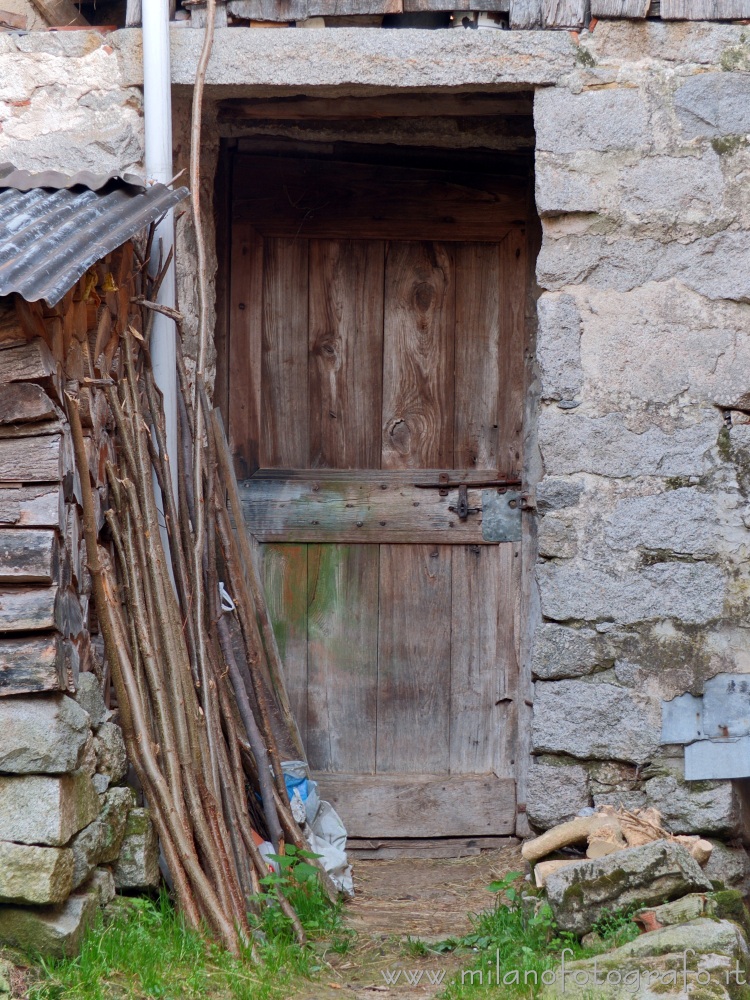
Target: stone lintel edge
{"type": "Point", "coordinates": [362, 60]}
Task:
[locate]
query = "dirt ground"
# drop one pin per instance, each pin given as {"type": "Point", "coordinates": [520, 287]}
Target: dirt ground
{"type": "Point", "coordinates": [395, 901]}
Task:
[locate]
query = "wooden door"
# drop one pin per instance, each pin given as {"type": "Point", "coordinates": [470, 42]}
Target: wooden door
{"type": "Point", "coordinates": [365, 371]}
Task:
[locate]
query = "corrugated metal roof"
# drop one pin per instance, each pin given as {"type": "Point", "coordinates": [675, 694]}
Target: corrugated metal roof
{"type": "Point", "coordinates": [50, 238]}
{"type": "Point", "coordinates": [24, 180]}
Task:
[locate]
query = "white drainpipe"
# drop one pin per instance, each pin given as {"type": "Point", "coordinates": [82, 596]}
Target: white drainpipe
{"type": "Point", "coordinates": [157, 112]}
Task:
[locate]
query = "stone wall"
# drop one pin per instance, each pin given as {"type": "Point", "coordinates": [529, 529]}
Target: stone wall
{"type": "Point", "coordinates": [644, 359]}
{"type": "Point", "coordinates": [643, 512]}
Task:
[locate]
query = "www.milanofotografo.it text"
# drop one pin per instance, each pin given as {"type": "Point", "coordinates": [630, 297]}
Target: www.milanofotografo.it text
{"type": "Point", "coordinates": [632, 978]}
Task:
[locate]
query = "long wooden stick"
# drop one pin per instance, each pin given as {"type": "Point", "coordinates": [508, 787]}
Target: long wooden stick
{"type": "Point", "coordinates": [275, 666]}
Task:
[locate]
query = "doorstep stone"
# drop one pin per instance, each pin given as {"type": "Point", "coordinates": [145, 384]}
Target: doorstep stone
{"type": "Point", "coordinates": [53, 931]}
{"type": "Point", "coordinates": [41, 735]}
{"type": "Point", "coordinates": [46, 809]}
{"type": "Point", "coordinates": [35, 874]}
{"type": "Point", "coordinates": [137, 866]}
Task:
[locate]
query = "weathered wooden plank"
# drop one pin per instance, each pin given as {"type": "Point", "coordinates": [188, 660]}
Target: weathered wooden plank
{"type": "Point", "coordinates": [325, 199]}
{"type": "Point", "coordinates": [284, 574]}
{"type": "Point", "coordinates": [406, 805]}
{"type": "Point", "coordinates": [363, 507]}
{"type": "Point", "coordinates": [28, 665]}
{"type": "Point", "coordinates": [31, 459]}
{"type": "Point", "coordinates": [28, 556]}
{"type": "Point", "coordinates": [512, 344]}
{"type": "Point", "coordinates": [619, 8]}
{"type": "Point", "coordinates": [563, 13]}
{"type": "Point", "coordinates": [245, 348]}
{"type": "Point", "coordinates": [342, 631]}
{"type": "Point", "coordinates": [268, 10]}
{"type": "Point", "coordinates": [477, 367]}
{"type": "Point", "coordinates": [352, 8]}
{"type": "Point", "coordinates": [28, 609]}
{"type": "Point", "coordinates": [383, 106]}
{"type": "Point", "coordinates": [25, 402]}
{"type": "Point", "coordinates": [483, 659]}
{"type": "Point", "coordinates": [525, 14]}
{"type": "Point", "coordinates": [492, 6]}
{"type": "Point", "coordinates": [346, 350]}
{"type": "Point", "coordinates": [32, 507]}
{"type": "Point", "coordinates": [26, 430]}
{"type": "Point", "coordinates": [60, 13]}
{"type": "Point", "coordinates": [418, 353]}
{"type": "Point", "coordinates": [386, 848]}
{"type": "Point", "coordinates": [705, 10]}
{"type": "Point", "coordinates": [284, 382]}
{"type": "Point", "coordinates": [415, 659]}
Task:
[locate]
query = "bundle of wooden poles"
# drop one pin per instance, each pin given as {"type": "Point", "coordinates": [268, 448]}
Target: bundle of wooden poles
{"type": "Point", "coordinates": [200, 689]}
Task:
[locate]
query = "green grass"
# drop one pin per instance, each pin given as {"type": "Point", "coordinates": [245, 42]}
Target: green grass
{"type": "Point", "coordinates": [520, 935]}
{"type": "Point", "coordinates": [142, 949]}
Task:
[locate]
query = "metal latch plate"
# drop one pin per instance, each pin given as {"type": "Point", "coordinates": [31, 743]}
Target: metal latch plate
{"type": "Point", "coordinates": [501, 516]}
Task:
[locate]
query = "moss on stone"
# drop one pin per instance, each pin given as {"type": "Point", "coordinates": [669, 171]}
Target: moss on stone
{"type": "Point", "coordinates": [725, 145]}
{"type": "Point", "coordinates": [731, 906]}
{"type": "Point", "coordinates": [584, 58]}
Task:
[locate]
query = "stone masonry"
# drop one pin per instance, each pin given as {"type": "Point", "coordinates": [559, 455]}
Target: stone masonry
{"type": "Point", "coordinates": [639, 449]}
{"type": "Point", "coordinates": [643, 351]}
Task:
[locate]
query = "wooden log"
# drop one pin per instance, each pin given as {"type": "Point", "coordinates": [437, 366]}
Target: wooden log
{"type": "Point", "coordinates": [10, 325]}
{"type": "Point", "coordinates": [32, 507]}
{"type": "Point", "coordinates": [619, 8]}
{"type": "Point", "coordinates": [31, 320]}
{"type": "Point", "coordinates": [28, 556]}
{"type": "Point", "coordinates": [576, 831]}
{"type": "Point", "coordinates": [28, 609]}
{"type": "Point", "coordinates": [31, 664]}
{"type": "Point", "coordinates": [544, 869]}
{"type": "Point", "coordinates": [37, 459]}
{"type": "Point", "coordinates": [31, 361]}
{"type": "Point", "coordinates": [605, 840]}
{"type": "Point", "coordinates": [26, 402]}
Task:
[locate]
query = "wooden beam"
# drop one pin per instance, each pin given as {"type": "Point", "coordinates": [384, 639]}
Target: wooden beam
{"type": "Point", "coordinates": [413, 805]}
{"type": "Point", "coordinates": [355, 506]}
{"type": "Point", "coordinates": [60, 13]}
{"type": "Point", "coordinates": [33, 664]}
{"type": "Point", "coordinates": [293, 198]}
{"type": "Point", "coordinates": [300, 108]}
